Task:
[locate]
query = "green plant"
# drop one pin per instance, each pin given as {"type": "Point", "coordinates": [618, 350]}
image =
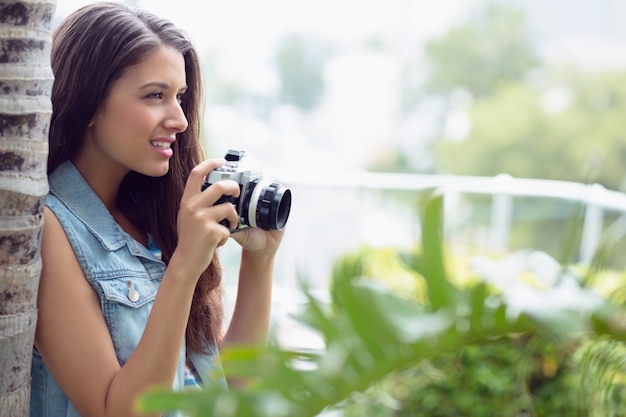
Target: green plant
{"type": "Point", "coordinates": [508, 376]}
{"type": "Point", "coordinates": [371, 332]}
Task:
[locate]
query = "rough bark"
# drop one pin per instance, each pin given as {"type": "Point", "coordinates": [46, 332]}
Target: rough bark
{"type": "Point", "coordinates": [25, 85]}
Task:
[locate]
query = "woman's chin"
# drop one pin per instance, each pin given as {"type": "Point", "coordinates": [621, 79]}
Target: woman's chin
{"type": "Point", "coordinates": [157, 171]}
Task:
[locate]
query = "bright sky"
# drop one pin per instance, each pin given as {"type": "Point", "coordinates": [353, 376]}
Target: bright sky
{"type": "Point", "coordinates": [247, 30]}
{"type": "Point", "coordinates": [252, 27]}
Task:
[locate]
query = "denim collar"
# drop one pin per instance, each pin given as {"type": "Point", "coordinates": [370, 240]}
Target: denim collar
{"type": "Point", "coordinates": [69, 186]}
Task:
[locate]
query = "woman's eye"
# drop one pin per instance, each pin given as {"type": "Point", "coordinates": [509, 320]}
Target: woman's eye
{"type": "Point", "coordinates": [157, 95]}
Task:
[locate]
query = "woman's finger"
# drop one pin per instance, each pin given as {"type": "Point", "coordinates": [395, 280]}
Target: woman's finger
{"type": "Point", "coordinates": [198, 174]}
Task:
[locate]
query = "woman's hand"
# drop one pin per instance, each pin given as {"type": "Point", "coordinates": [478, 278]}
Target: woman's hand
{"type": "Point", "coordinates": [259, 241]}
{"type": "Point", "coordinates": [199, 230]}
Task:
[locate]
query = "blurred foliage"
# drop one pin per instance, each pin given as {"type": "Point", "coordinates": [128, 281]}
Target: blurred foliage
{"type": "Point", "coordinates": [508, 377]}
{"type": "Point", "coordinates": [506, 111]}
{"type": "Point", "coordinates": [604, 374]}
{"type": "Point", "coordinates": [513, 375]}
{"type": "Point", "coordinates": [442, 346]}
{"type": "Point", "coordinates": [493, 47]}
{"type": "Point", "coordinates": [573, 130]}
{"type": "Point", "coordinates": [221, 90]}
{"type": "Point", "coordinates": [299, 61]}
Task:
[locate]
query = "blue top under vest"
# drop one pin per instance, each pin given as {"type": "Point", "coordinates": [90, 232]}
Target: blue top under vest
{"type": "Point", "coordinates": [114, 264]}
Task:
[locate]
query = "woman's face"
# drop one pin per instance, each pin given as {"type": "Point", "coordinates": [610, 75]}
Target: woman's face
{"type": "Point", "coordinates": [137, 123]}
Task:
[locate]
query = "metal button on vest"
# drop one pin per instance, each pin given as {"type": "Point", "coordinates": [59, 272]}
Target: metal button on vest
{"type": "Point", "coordinates": [133, 295]}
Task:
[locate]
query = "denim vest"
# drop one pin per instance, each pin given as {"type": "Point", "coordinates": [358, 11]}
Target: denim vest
{"type": "Point", "coordinates": [124, 274]}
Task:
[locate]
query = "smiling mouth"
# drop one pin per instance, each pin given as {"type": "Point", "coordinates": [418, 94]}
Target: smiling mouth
{"type": "Point", "coordinates": [161, 145]}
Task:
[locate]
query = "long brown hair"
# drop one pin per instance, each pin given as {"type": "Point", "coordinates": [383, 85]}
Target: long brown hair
{"type": "Point", "coordinates": [91, 50]}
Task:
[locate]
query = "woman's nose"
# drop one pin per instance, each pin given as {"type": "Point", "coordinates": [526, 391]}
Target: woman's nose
{"type": "Point", "coordinates": [176, 119]}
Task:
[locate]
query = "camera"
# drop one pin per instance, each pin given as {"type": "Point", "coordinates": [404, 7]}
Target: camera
{"type": "Point", "coordinates": [261, 203]}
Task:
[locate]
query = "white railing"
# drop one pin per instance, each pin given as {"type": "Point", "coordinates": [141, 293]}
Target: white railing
{"type": "Point", "coordinates": [334, 213]}
{"type": "Point", "coordinates": [502, 188]}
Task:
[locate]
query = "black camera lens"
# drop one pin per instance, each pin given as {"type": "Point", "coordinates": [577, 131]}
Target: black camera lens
{"type": "Point", "coordinates": [267, 205]}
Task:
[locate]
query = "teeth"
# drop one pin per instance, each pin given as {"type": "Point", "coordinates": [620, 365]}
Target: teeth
{"type": "Point", "coordinates": [162, 145]}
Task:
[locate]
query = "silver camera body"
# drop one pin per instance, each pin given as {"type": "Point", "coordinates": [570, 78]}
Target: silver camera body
{"type": "Point", "coordinates": [261, 203]}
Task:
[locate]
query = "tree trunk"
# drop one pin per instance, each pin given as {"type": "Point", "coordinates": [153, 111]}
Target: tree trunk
{"type": "Point", "coordinates": [25, 85]}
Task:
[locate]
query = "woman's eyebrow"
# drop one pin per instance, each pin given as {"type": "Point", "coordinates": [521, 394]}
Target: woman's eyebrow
{"type": "Point", "coordinates": [158, 84]}
{"type": "Point", "coordinates": [162, 85]}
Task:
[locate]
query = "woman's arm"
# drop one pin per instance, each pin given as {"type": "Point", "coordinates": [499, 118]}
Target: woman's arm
{"type": "Point", "coordinates": [251, 317]}
{"type": "Point", "coordinates": [250, 322]}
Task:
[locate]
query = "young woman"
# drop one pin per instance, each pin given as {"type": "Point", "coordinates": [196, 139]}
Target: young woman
{"type": "Point", "coordinates": [130, 286]}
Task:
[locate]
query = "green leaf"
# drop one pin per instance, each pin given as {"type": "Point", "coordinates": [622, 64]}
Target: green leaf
{"type": "Point", "coordinates": [441, 293]}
